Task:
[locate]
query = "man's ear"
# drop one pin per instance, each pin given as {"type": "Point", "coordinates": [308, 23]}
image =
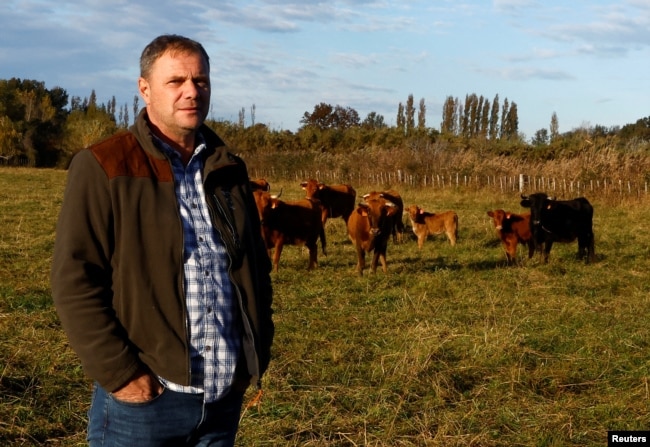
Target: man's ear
{"type": "Point", "coordinates": [143, 89]}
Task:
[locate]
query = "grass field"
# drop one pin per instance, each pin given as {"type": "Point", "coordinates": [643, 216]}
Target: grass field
{"type": "Point", "coordinates": [450, 348]}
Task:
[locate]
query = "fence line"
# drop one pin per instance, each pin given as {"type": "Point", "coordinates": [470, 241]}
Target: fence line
{"type": "Point", "coordinates": [522, 183]}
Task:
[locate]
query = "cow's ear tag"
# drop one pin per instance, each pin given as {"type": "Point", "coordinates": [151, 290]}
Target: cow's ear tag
{"type": "Point", "coordinates": [421, 211]}
{"type": "Point", "coordinates": [508, 216]}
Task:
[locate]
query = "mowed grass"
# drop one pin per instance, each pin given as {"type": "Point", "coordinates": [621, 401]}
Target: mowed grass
{"type": "Point", "coordinates": [450, 348]}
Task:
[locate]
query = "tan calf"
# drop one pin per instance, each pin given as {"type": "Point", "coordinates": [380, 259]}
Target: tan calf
{"type": "Point", "coordinates": [425, 224]}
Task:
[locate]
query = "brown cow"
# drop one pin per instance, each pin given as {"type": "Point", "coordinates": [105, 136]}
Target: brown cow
{"type": "Point", "coordinates": [369, 227]}
{"type": "Point", "coordinates": [397, 228]}
{"type": "Point", "coordinates": [337, 200]}
{"type": "Point", "coordinates": [290, 223]}
{"type": "Point", "coordinates": [260, 184]}
{"type": "Point", "coordinates": [513, 229]}
{"type": "Point", "coordinates": [425, 223]}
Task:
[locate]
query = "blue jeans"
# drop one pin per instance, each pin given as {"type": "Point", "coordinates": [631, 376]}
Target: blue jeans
{"type": "Point", "coordinates": [170, 419]}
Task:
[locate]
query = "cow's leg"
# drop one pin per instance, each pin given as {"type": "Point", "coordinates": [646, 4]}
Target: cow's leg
{"type": "Point", "coordinates": [421, 238]}
{"type": "Point", "coordinates": [586, 248]}
{"type": "Point", "coordinates": [375, 261]}
{"type": "Point", "coordinates": [382, 259]}
{"type": "Point", "coordinates": [511, 251]}
{"type": "Point", "coordinates": [400, 229]}
{"type": "Point", "coordinates": [591, 251]}
{"type": "Point", "coordinates": [361, 261]}
{"type": "Point", "coordinates": [531, 249]}
{"type": "Point", "coordinates": [582, 248]}
{"type": "Point", "coordinates": [276, 256]}
{"type": "Point", "coordinates": [313, 255]}
{"type": "Point", "coordinates": [379, 257]}
{"type": "Point", "coordinates": [547, 250]}
{"type": "Point", "coordinates": [451, 235]}
{"type": "Point", "coordinates": [323, 242]}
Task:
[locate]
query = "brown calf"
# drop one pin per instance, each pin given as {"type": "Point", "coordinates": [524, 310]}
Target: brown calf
{"type": "Point", "coordinates": [513, 229]}
{"type": "Point", "coordinates": [290, 223]}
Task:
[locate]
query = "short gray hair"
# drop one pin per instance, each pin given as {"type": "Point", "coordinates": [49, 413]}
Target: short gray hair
{"type": "Point", "coordinates": [169, 42]}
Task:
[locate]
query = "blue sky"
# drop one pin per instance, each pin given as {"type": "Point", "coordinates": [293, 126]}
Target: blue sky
{"type": "Point", "coordinates": [587, 61]}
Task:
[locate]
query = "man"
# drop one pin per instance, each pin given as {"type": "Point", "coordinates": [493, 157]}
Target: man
{"type": "Point", "coordinates": [160, 275]}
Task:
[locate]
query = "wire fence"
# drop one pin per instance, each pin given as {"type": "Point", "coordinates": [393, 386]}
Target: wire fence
{"type": "Point", "coordinates": [522, 183]}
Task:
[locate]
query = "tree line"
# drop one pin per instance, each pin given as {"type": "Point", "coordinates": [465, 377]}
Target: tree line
{"type": "Point", "coordinates": [45, 128]}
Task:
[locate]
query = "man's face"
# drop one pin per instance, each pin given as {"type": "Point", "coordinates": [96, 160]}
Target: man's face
{"type": "Point", "coordinates": [177, 93]}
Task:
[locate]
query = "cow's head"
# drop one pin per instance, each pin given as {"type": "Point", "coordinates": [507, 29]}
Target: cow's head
{"type": "Point", "coordinates": [311, 187]}
{"type": "Point", "coordinates": [377, 209]}
{"type": "Point", "coordinates": [498, 218]}
{"type": "Point", "coordinates": [538, 203]}
{"type": "Point", "coordinates": [265, 202]}
{"type": "Point", "coordinates": [414, 212]}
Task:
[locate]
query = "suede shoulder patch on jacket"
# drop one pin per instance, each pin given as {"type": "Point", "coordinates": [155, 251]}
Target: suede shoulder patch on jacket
{"type": "Point", "coordinates": [122, 156]}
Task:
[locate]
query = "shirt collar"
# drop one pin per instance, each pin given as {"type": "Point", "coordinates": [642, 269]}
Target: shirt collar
{"type": "Point", "coordinates": [173, 153]}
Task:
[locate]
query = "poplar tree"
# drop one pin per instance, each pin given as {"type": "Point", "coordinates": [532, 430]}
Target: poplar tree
{"type": "Point", "coordinates": [136, 109]}
{"type": "Point", "coordinates": [449, 123]}
{"type": "Point", "coordinates": [422, 115]}
{"type": "Point", "coordinates": [485, 118]}
{"type": "Point", "coordinates": [410, 115]}
{"type": "Point", "coordinates": [401, 120]}
{"type": "Point", "coordinates": [554, 128]}
{"type": "Point", "coordinates": [494, 119]}
{"type": "Point", "coordinates": [504, 118]}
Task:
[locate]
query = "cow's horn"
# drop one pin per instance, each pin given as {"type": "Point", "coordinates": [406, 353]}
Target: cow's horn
{"type": "Point", "coordinates": [278, 195]}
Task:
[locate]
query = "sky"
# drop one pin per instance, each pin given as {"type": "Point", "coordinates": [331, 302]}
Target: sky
{"type": "Point", "coordinates": [586, 61]}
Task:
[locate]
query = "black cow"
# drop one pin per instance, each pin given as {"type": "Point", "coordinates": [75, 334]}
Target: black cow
{"type": "Point", "coordinates": [560, 221]}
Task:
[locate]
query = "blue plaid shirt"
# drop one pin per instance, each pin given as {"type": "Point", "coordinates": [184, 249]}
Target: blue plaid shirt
{"type": "Point", "coordinates": [214, 331]}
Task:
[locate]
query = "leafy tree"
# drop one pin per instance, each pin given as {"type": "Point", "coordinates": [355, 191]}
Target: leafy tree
{"type": "Point", "coordinates": [345, 117]}
{"type": "Point", "coordinates": [640, 130]}
{"type": "Point", "coordinates": [540, 138]}
{"type": "Point", "coordinates": [10, 139]}
{"type": "Point", "coordinates": [325, 117]}
{"type": "Point", "coordinates": [32, 117]}
{"type": "Point", "coordinates": [321, 117]}
{"type": "Point", "coordinates": [374, 121]}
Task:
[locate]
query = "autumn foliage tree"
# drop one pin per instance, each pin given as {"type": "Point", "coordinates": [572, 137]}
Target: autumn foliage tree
{"type": "Point", "coordinates": [31, 121]}
{"type": "Point", "coordinates": [325, 116]}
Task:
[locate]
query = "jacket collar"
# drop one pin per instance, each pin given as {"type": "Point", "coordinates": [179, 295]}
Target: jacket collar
{"type": "Point", "coordinates": [216, 152]}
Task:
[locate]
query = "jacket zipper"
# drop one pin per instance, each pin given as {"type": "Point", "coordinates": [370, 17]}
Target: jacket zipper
{"type": "Point", "coordinates": [245, 318]}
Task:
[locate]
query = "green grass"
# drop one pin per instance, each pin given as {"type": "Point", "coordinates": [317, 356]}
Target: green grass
{"type": "Point", "coordinates": [450, 348]}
